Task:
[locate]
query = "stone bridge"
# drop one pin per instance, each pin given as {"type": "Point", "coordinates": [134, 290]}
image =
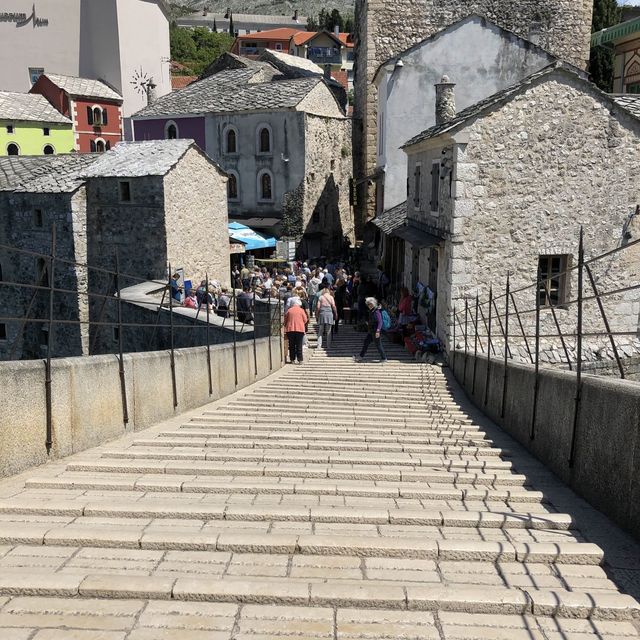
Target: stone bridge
{"type": "Point", "coordinates": [333, 500]}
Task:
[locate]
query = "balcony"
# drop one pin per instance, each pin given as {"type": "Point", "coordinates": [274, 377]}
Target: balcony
{"type": "Point", "coordinates": [325, 59]}
{"type": "Point", "coordinates": [251, 51]}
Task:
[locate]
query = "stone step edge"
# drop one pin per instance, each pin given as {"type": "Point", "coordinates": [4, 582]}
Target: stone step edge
{"type": "Point", "coordinates": [575, 553]}
{"type": "Point", "coordinates": [201, 486]}
{"type": "Point", "coordinates": [488, 600]}
{"type": "Point", "coordinates": [277, 513]}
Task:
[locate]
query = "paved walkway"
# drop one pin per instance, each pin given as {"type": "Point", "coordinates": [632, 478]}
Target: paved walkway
{"type": "Point", "coordinates": [333, 500]}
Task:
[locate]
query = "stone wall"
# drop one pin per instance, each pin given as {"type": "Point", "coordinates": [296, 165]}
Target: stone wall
{"type": "Point", "coordinates": [196, 218]}
{"type": "Point", "coordinates": [525, 178]}
{"type": "Point", "coordinates": [384, 28]}
{"type": "Point", "coordinates": [20, 229]}
{"type": "Point", "coordinates": [326, 215]}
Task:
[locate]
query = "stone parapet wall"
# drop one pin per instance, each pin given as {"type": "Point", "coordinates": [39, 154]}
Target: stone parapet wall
{"type": "Point", "coordinates": [87, 400]}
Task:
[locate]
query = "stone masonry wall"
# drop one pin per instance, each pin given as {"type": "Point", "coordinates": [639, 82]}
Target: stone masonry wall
{"type": "Point", "coordinates": [196, 218]}
{"type": "Point", "coordinates": [552, 159]}
{"type": "Point", "coordinates": [385, 28]}
{"type": "Point", "coordinates": [328, 168]}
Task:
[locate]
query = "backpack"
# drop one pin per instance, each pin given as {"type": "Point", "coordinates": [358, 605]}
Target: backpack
{"type": "Point", "coordinates": [386, 320]}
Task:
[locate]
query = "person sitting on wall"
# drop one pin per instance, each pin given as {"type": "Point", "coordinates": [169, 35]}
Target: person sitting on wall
{"type": "Point", "coordinates": [176, 289]}
{"type": "Point", "coordinates": [244, 305]}
{"type": "Point", "coordinates": [191, 301]}
{"type": "Point", "coordinates": [223, 303]}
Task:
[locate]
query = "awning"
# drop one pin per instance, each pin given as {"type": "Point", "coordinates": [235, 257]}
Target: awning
{"type": "Point", "coordinates": [417, 237]}
{"type": "Point", "coordinates": [617, 32]}
{"type": "Point", "coordinates": [250, 238]}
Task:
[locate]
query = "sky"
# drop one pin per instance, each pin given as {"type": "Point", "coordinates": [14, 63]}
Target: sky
{"type": "Point", "coordinates": [633, 2]}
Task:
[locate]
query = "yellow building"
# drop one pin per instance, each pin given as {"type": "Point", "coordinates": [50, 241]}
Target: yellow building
{"type": "Point", "coordinates": [30, 126]}
{"type": "Point", "coordinates": [625, 39]}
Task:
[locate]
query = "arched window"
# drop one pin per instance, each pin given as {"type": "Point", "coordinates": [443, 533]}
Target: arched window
{"type": "Point", "coordinates": [13, 149]}
{"type": "Point", "coordinates": [98, 146]}
{"type": "Point", "coordinates": [230, 139]}
{"type": "Point", "coordinates": [97, 116]}
{"type": "Point", "coordinates": [265, 186]}
{"type": "Point", "coordinates": [171, 131]}
{"type": "Point", "coordinates": [48, 150]}
{"type": "Point", "coordinates": [264, 139]}
{"type": "Point", "coordinates": [232, 186]}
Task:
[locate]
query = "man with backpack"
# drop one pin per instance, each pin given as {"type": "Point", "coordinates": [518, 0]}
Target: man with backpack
{"type": "Point", "coordinates": [378, 321]}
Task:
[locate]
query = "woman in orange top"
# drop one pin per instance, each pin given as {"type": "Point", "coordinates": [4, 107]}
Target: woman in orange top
{"type": "Point", "coordinates": [295, 326]}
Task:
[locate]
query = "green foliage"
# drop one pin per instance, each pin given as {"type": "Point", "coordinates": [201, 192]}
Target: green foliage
{"type": "Point", "coordinates": [606, 13]}
{"type": "Point", "coordinates": [197, 48]}
{"type": "Point", "coordinates": [328, 20]}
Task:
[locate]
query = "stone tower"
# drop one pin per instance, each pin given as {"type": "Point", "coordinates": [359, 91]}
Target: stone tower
{"type": "Point", "coordinates": [385, 28]}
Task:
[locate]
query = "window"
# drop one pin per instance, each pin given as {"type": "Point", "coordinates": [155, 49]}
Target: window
{"type": "Point", "coordinates": [3, 331]}
{"type": "Point", "coordinates": [98, 146]}
{"type": "Point", "coordinates": [42, 272]}
{"type": "Point", "coordinates": [97, 116]}
{"type": "Point", "coordinates": [171, 131]}
{"type": "Point", "coordinates": [417, 184]}
{"type": "Point", "coordinates": [264, 139]}
{"type": "Point", "coordinates": [265, 186]}
{"type": "Point", "coordinates": [634, 87]}
{"type": "Point", "coordinates": [231, 140]}
{"type": "Point", "coordinates": [125, 191]}
{"type": "Point", "coordinates": [13, 149]}
{"type": "Point", "coordinates": [34, 74]}
{"type": "Point", "coordinates": [232, 187]}
{"type": "Point", "coordinates": [435, 186]}
{"type": "Point", "coordinates": [38, 218]}
{"type": "Point", "coordinates": [278, 46]}
{"type": "Point", "coordinates": [48, 150]}
{"type": "Point", "coordinates": [553, 279]}
{"type": "Point", "coordinates": [46, 131]}
{"type": "Point", "coordinates": [10, 129]}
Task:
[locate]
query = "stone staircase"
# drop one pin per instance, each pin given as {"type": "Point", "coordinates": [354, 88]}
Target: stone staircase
{"type": "Point", "coordinates": [332, 500]}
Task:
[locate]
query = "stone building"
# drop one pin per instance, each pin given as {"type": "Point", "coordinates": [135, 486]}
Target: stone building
{"type": "Point", "coordinates": [279, 132]}
{"type": "Point", "coordinates": [153, 203]}
{"type": "Point", "coordinates": [504, 186]}
{"type": "Point", "coordinates": [384, 28]}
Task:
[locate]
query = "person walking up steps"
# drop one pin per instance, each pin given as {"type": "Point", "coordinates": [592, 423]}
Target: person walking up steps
{"type": "Point", "coordinates": [374, 331]}
{"type": "Point", "coordinates": [295, 326]}
{"type": "Point", "coordinates": [326, 313]}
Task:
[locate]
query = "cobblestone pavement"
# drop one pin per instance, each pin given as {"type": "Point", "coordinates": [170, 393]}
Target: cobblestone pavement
{"type": "Point", "coordinates": [331, 500]}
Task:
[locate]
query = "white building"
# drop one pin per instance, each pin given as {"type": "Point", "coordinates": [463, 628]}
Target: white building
{"type": "Point", "coordinates": [125, 43]}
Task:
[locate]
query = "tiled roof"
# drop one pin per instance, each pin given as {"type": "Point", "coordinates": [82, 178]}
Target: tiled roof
{"type": "Point", "coordinates": [44, 174]}
{"type": "Point", "coordinates": [180, 82]}
{"type": "Point", "coordinates": [630, 102]}
{"type": "Point", "coordinates": [138, 159]}
{"type": "Point", "coordinates": [388, 221]}
{"type": "Point", "coordinates": [84, 87]}
{"type": "Point", "coordinates": [284, 33]}
{"type": "Point", "coordinates": [29, 107]}
{"type": "Point", "coordinates": [305, 36]}
{"type": "Point", "coordinates": [504, 96]}
{"type": "Point", "coordinates": [229, 92]}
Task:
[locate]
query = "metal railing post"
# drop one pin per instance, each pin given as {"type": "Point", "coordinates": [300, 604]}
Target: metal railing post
{"type": "Point", "coordinates": [208, 337]}
{"type": "Point", "coordinates": [235, 348]}
{"type": "Point", "coordinates": [453, 357]}
{"type": "Point", "coordinates": [536, 382]}
{"type": "Point", "coordinates": [576, 413]}
{"type": "Point", "coordinates": [484, 321]}
{"type": "Point", "coordinates": [47, 379]}
{"type": "Point", "coordinates": [173, 362]}
{"type": "Point", "coordinates": [555, 320]}
{"type": "Point", "coordinates": [489, 345]}
{"type": "Point", "coordinates": [506, 347]}
{"type": "Point", "coordinates": [123, 384]}
{"type": "Point", "coordinates": [524, 335]}
{"type": "Point", "coordinates": [255, 328]}
{"type": "Point", "coordinates": [475, 346]}
{"type": "Point", "coordinates": [270, 331]}
{"type": "Point", "coordinates": [466, 338]}
{"type": "Point", "coordinates": [605, 320]}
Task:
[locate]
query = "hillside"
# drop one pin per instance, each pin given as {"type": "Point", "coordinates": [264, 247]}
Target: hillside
{"type": "Point", "coordinates": [269, 7]}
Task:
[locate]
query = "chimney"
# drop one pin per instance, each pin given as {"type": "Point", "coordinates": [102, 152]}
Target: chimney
{"type": "Point", "coordinates": [336, 30]}
{"type": "Point", "coordinates": [152, 96]}
{"type": "Point", "coordinates": [295, 15]}
{"type": "Point", "coordinates": [445, 100]}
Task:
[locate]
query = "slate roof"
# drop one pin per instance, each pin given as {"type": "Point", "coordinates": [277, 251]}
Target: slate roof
{"type": "Point", "coordinates": [231, 92]}
{"type": "Point", "coordinates": [138, 159]}
{"type": "Point", "coordinates": [29, 107]}
{"type": "Point", "coordinates": [630, 102]}
{"type": "Point", "coordinates": [84, 87]}
{"type": "Point", "coordinates": [391, 219]}
{"type": "Point", "coordinates": [502, 97]}
{"type": "Point", "coordinates": [291, 66]}
{"type": "Point", "coordinates": [44, 174]}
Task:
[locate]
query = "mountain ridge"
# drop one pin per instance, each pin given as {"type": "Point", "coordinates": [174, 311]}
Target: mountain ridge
{"type": "Point", "coordinates": [267, 7]}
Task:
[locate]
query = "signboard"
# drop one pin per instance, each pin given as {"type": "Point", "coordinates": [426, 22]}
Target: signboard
{"type": "Point", "coordinates": [22, 19]}
{"type": "Point", "coordinates": [286, 249]}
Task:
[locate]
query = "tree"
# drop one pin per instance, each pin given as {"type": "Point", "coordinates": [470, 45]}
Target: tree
{"type": "Point", "coordinates": [349, 26]}
{"type": "Point", "coordinates": [335, 20]}
{"type": "Point", "coordinates": [215, 26]}
{"type": "Point", "coordinates": [231, 29]}
{"type": "Point", "coordinates": [197, 48]}
{"type": "Point", "coordinates": [312, 24]}
{"type": "Point", "coordinates": [606, 13]}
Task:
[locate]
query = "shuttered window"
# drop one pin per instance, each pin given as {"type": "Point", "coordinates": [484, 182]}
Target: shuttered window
{"type": "Point", "coordinates": [417, 179]}
{"type": "Point", "coordinates": [435, 187]}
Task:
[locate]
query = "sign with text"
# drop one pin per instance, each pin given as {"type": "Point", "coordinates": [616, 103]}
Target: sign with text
{"type": "Point", "coordinates": [22, 19]}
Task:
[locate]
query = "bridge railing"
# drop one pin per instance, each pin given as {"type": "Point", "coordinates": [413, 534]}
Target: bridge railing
{"type": "Point", "coordinates": [601, 316]}
{"type": "Point", "coordinates": [79, 302]}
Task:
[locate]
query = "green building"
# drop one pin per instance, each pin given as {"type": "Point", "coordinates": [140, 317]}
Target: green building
{"type": "Point", "coordinates": [30, 126]}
